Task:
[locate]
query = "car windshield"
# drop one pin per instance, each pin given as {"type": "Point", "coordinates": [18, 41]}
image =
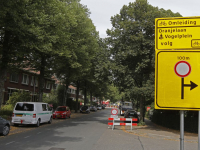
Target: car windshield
{"type": "Point", "coordinates": [85, 107]}
{"type": "Point", "coordinates": [127, 104]}
{"type": "Point", "coordinates": [61, 109]}
{"type": "Point", "coordinates": [24, 107]}
{"type": "Point", "coordinates": [133, 114]}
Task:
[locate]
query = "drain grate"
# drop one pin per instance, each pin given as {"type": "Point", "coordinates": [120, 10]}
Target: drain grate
{"type": "Point", "coordinates": [54, 148]}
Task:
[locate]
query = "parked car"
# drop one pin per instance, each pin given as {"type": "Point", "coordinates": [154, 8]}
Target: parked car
{"type": "Point", "coordinates": [85, 109]}
{"type": "Point", "coordinates": [93, 108]}
{"type": "Point", "coordinates": [4, 126]}
{"type": "Point", "coordinates": [99, 107]}
{"type": "Point", "coordinates": [62, 112]}
{"type": "Point", "coordinates": [31, 113]}
{"type": "Point", "coordinates": [131, 114]}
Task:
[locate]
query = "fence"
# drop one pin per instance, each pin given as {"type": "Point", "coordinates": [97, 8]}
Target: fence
{"type": "Point", "coordinates": [122, 124]}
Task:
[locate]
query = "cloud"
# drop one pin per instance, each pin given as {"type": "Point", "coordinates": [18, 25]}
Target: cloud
{"type": "Point", "coordinates": [102, 10]}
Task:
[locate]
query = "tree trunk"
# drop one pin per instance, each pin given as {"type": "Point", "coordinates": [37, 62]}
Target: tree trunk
{"type": "Point", "coordinates": [65, 93]}
{"type": "Point", "coordinates": [5, 59]}
{"type": "Point", "coordinates": [41, 77]}
{"type": "Point", "coordinates": [90, 97]}
{"type": "Point", "coordinates": [2, 80]}
{"type": "Point", "coordinates": [77, 95]}
{"type": "Point", "coordinates": [141, 108]}
{"type": "Point", "coordinates": [85, 94]}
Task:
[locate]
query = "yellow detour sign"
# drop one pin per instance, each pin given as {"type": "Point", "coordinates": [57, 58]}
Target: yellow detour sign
{"type": "Point", "coordinates": [177, 33]}
{"type": "Point", "coordinates": [177, 80]}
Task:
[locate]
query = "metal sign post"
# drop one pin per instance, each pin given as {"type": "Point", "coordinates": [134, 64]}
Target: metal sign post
{"type": "Point", "coordinates": [199, 132]}
{"type": "Point", "coordinates": [181, 130]}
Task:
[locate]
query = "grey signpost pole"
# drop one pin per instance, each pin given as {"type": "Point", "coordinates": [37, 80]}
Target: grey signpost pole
{"type": "Point", "coordinates": [181, 130]}
{"type": "Point", "coordinates": [199, 132]}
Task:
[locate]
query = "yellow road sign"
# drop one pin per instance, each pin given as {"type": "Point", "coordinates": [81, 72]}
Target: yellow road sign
{"type": "Point", "coordinates": [177, 33]}
{"type": "Point", "coordinates": [177, 80]}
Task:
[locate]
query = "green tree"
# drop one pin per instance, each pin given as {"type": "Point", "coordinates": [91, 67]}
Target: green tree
{"type": "Point", "coordinates": [32, 29]}
{"type": "Point", "coordinates": [20, 96]}
{"type": "Point", "coordinates": [131, 42]}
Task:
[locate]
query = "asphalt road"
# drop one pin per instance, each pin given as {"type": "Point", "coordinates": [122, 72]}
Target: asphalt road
{"type": "Point", "coordinates": [91, 132]}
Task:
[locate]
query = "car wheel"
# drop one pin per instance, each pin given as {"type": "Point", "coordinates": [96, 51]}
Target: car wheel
{"type": "Point", "coordinates": [38, 123]}
{"type": "Point", "coordinates": [6, 130]}
{"type": "Point", "coordinates": [50, 120]}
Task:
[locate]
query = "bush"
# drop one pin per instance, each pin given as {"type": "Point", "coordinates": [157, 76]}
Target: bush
{"type": "Point", "coordinates": [6, 111]}
{"type": "Point", "coordinates": [20, 96]}
{"type": "Point", "coordinates": [141, 123]}
{"type": "Point", "coordinates": [72, 104]}
{"type": "Point", "coordinates": [51, 99]}
{"type": "Point", "coordinates": [171, 119]}
{"type": "Point", "coordinates": [167, 118]}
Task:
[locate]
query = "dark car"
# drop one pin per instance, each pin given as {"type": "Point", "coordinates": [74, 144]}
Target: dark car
{"type": "Point", "coordinates": [131, 114]}
{"type": "Point", "coordinates": [93, 108]}
{"type": "Point", "coordinates": [103, 106]}
{"type": "Point", "coordinates": [85, 109]}
{"type": "Point", "coordinates": [4, 126]}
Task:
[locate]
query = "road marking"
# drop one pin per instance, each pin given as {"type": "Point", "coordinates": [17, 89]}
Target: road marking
{"type": "Point", "coordinates": [39, 132]}
{"type": "Point", "coordinates": [10, 142]}
{"type": "Point", "coordinates": [26, 137]}
{"type": "Point", "coordinates": [159, 135]}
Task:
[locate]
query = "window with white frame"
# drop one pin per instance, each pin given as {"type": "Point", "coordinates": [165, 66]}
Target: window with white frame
{"type": "Point", "coordinates": [48, 85]}
{"type": "Point", "coordinates": [34, 80]}
{"type": "Point", "coordinates": [25, 79]}
{"type": "Point", "coordinates": [69, 90]}
{"type": "Point", "coordinates": [73, 91]}
{"type": "Point", "coordinates": [14, 77]}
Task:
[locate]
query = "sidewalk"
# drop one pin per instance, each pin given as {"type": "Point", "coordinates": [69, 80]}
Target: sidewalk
{"type": "Point", "coordinates": [151, 130]}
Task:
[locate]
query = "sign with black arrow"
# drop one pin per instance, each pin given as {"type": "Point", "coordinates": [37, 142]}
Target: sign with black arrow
{"type": "Point", "coordinates": [192, 85]}
{"type": "Point", "coordinates": [177, 79]}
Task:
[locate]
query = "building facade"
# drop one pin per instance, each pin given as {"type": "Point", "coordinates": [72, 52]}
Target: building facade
{"type": "Point", "coordinates": [27, 81]}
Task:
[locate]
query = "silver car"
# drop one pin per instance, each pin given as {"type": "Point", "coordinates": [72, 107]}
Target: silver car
{"type": "Point", "coordinates": [99, 107]}
{"type": "Point", "coordinates": [4, 126]}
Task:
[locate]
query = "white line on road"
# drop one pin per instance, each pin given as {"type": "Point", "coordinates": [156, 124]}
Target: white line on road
{"type": "Point", "coordinates": [39, 132]}
{"type": "Point", "coordinates": [26, 137]}
{"type": "Point", "coordinates": [10, 142]}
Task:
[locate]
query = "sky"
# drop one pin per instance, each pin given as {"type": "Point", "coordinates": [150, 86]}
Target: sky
{"type": "Point", "coordinates": [102, 10]}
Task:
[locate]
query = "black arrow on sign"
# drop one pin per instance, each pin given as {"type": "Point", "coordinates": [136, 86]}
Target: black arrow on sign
{"type": "Point", "coordinates": [192, 85]}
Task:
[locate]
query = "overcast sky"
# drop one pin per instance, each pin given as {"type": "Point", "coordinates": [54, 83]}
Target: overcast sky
{"type": "Point", "coordinates": [102, 10]}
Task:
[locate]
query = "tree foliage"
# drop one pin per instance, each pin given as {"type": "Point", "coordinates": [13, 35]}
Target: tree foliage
{"type": "Point", "coordinates": [20, 96]}
{"type": "Point", "coordinates": [131, 42]}
{"type": "Point", "coordinates": [47, 36]}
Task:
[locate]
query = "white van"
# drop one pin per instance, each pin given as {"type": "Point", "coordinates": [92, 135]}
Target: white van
{"type": "Point", "coordinates": [31, 113]}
